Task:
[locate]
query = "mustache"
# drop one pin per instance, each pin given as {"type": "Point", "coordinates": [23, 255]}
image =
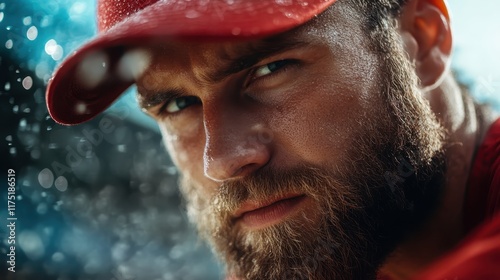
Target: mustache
{"type": "Point", "coordinates": [263, 185]}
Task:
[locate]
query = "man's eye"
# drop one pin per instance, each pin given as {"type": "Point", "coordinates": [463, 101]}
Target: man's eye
{"type": "Point", "coordinates": [270, 68]}
{"type": "Point", "coordinates": [180, 103]}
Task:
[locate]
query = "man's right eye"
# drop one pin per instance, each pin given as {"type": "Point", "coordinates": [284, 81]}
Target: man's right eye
{"type": "Point", "coordinates": [179, 103]}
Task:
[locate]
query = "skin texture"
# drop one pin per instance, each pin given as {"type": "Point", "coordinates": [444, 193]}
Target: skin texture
{"type": "Point", "coordinates": [378, 140]}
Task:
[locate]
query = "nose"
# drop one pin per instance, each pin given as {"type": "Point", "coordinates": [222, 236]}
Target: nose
{"type": "Point", "coordinates": [236, 145]}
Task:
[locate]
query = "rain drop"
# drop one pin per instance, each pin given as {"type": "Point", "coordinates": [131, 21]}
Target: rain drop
{"type": "Point", "coordinates": [27, 20]}
{"type": "Point", "coordinates": [46, 178]}
{"type": "Point", "coordinates": [92, 69]}
{"type": "Point", "coordinates": [61, 183]}
{"type": "Point", "coordinates": [31, 244]}
{"type": "Point", "coordinates": [133, 64]}
{"type": "Point", "coordinates": [35, 154]}
{"type": "Point", "coordinates": [50, 46]}
{"type": "Point", "coordinates": [2, 6]}
{"type": "Point", "coordinates": [7, 86]}
{"type": "Point", "coordinates": [32, 33]}
{"type": "Point", "coordinates": [1, 16]}
{"type": "Point", "coordinates": [13, 151]}
{"type": "Point", "coordinates": [80, 108]}
{"type": "Point", "coordinates": [8, 138]}
{"type": "Point", "coordinates": [42, 209]}
{"type": "Point", "coordinates": [58, 257]}
{"type": "Point", "coordinates": [8, 44]}
{"type": "Point", "coordinates": [58, 53]}
{"type": "Point", "coordinates": [22, 124]}
{"type": "Point", "coordinates": [27, 82]}
{"type": "Point", "coordinates": [15, 109]}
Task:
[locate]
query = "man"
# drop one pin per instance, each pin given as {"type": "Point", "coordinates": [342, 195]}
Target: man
{"type": "Point", "coordinates": [316, 139]}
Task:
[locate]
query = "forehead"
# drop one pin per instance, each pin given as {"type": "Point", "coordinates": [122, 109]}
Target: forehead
{"type": "Point", "coordinates": [338, 27]}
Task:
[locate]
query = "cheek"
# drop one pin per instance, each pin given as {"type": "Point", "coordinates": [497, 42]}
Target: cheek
{"type": "Point", "coordinates": [185, 147]}
{"type": "Point", "coordinates": [329, 111]}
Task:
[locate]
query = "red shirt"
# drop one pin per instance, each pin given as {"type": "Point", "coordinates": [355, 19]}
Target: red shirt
{"type": "Point", "coordinates": [477, 257]}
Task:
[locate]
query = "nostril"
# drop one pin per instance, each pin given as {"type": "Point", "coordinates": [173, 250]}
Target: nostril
{"type": "Point", "coordinates": [246, 170]}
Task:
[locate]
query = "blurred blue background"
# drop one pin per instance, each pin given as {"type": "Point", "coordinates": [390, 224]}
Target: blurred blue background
{"type": "Point", "coordinates": [92, 205]}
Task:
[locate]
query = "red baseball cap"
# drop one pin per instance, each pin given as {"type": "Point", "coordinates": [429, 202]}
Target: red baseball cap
{"type": "Point", "coordinates": [90, 79]}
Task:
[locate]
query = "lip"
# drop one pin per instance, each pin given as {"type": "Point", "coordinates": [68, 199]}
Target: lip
{"type": "Point", "coordinates": [255, 215]}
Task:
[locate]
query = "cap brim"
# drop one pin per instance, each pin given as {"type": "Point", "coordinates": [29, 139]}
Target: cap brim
{"type": "Point", "coordinates": [88, 81]}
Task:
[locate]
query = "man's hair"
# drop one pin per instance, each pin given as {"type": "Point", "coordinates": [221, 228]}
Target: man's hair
{"type": "Point", "coordinates": [379, 16]}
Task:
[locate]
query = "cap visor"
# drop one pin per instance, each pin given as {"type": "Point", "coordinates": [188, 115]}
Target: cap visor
{"type": "Point", "coordinates": [89, 80]}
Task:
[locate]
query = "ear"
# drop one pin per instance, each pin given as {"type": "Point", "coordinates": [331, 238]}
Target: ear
{"type": "Point", "coordinates": [425, 29]}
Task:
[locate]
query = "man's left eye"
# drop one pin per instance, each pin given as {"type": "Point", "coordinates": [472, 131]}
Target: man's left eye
{"type": "Point", "coordinates": [270, 68]}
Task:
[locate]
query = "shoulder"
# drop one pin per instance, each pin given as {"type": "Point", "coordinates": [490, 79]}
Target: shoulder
{"type": "Point", "coordinates": [477, 257]}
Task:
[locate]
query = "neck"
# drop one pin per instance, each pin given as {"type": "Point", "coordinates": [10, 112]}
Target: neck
{"type": "Point", "coordinates": [466, 128]}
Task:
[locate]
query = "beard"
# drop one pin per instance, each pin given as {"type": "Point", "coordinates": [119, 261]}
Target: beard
{"type": "Point", "coordinates": [387, 186]}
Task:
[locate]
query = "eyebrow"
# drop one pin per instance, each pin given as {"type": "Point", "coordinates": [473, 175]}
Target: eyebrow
{"type": "Point", "coordinates": [252, 54]}
{"type": "Point", "coordinates": [246, 57]}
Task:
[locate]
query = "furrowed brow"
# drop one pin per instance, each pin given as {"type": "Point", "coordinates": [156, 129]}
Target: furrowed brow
{"type": "Point", "coordinates": [253, 54]}
{"type": "Point", "coordinates": [147, 101]}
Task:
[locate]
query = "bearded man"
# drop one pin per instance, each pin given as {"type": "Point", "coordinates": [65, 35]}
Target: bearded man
{"type": "Point", "coordinates": [316, 139]}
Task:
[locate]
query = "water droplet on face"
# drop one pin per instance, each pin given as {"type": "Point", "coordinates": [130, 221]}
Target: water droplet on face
{"type": "Point", "coordinates": [9, 44]}
{"type": "Point", "coordinates": [46, 178]}
{"type": "Point", "coordinates": [32, 33]}
{"type": "Point", "coordinates": [27, 83]}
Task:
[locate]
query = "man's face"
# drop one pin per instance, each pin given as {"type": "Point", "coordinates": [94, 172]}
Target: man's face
{"type": "Point", "coordinates": [294, 159]}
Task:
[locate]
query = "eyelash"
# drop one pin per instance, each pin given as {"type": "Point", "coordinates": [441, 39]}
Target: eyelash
{"type": "Point", "coordinates": [289, 63]}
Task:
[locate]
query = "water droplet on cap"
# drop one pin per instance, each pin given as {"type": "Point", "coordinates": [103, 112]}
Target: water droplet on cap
{"type": "Point", "coordinates": [192, 14]}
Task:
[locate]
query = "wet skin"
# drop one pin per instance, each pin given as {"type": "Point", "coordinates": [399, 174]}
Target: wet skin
{"type": "Point", "coordinates": [301, 103]}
